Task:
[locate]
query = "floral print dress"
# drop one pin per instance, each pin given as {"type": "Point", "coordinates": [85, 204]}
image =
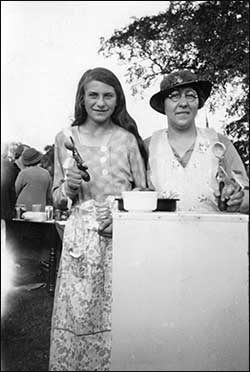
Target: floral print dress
{"type": "Point", "coordinates": [81, 319]}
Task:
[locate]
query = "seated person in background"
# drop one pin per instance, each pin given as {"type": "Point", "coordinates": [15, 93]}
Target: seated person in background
{"type": "Point", "coordinates": [198, 165]}
{"type": "Point", "coordinates": [33, 184]}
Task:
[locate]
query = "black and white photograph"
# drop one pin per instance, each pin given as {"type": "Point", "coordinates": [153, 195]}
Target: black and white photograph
{"type": "Point", "coordinates": [125, 186]}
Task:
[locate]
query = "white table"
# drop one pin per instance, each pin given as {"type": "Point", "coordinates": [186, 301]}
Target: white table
{"type": "Point", "coordinates": [180, 292]}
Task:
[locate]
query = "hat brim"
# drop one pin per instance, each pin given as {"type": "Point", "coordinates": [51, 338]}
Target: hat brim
{"type": "Point", "coordinates": [203, 87]}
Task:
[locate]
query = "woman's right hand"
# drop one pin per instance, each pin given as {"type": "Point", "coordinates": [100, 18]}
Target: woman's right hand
{"type": "Point", "coordinates": [106, 228]}
{"type": "Point", "coordinates": [73, 180]}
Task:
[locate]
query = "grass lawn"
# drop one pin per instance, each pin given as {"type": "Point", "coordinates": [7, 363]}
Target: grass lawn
{"type": "Point", "coordinates": [26, 330]}
{"type": "Point", "coordinates": [26, 319]}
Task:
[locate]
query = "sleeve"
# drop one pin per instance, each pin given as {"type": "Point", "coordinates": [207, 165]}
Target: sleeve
{"type": "Point", "coordinates": [146, 143]}
{"type": "Point", "coordinates": [136, 164]}
{"type": "Point", "coordinates": [149, 182]}
{"type": "Point", "coordinates": [19, 183]}
{"type": "Point", "coordinates": [8, 192]}
{"type": "Point", "coordinates": [49, 200]}
{"type": "Point", "coordinates": [60, 199]}
{"type": "Point", "coordinates": [232, 161]}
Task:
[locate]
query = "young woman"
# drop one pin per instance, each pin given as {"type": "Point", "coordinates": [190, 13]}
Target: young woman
{"type": "Point", "coordinates": [111, 147]}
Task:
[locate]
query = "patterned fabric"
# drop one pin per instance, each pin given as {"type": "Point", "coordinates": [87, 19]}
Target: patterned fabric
{"type": "Point", "coordinates": [114, 167]}
{"type": "Point", "coordinates": [195, 184]}
{"type": "Point", "coordinates": [81, 319]}
{"type": "Point", "coordinates": [81, 322]}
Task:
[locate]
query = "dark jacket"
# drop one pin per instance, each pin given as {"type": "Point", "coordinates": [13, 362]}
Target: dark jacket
{"type": "Point", "coordinates": [9, 173]}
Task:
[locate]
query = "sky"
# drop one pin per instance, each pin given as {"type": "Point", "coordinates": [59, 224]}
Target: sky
{"type": "Point", "coordinates": [46, 47]}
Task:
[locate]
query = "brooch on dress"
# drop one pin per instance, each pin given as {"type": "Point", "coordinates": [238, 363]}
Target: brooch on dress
{"type": "Point", "coordinates": [203, 146]}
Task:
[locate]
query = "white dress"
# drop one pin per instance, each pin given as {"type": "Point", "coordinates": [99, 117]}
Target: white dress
{"type": "Point", "coordinates": [194, 184]}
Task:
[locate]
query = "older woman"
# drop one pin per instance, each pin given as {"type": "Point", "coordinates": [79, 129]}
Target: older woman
{"type": "Point", "coordinates": [198, 165]}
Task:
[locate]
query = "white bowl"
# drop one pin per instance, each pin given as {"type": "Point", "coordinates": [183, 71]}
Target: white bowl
{"type": "Point", "coordinates": [139, 201]}
{"type": "Point", "coordinates": [35, 216]}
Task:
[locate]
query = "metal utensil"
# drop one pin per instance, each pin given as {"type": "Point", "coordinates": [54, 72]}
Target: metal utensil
{"type": "Point", "coordinates": [70, 145]}
{"type": "Point", "coordinates": [219, 150]}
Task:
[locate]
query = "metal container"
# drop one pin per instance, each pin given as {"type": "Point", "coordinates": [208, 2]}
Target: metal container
{"type": "Point", "coordinates": [18, 212]}
{"type": "Point", "coordinates": [58, 214]}
{"type": "Point", "coordinates": [166, 205]}
{"type": "Point", "coordinates": [49, 212]}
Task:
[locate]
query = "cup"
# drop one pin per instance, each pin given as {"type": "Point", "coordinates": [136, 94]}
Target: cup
{"type": "Point", "coordinates": [58, 214]}
{"type": "Point", "coordinates": [18, 212]}
{"type": "Point", "coordinates": [49, 212]}
{"type": "Point", "coordinates": [36, 207]}
{"type": "Point", "coordinates": [20, 209]}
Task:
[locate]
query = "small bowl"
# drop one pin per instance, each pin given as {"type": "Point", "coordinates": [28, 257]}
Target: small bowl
{"type": "Point", "coordinates": [166, 205]}
{"type": "Point", "coordinates": [139, 201]}
{"type": "Point", "coordinates": [120, 204]}
{"type": "Point", "coordinates": [163, 205]}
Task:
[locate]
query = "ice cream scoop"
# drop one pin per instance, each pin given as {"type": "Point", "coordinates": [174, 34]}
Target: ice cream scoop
{"type": "Point", "coordinates": [219, 150]}
{"type": "Point", "coordinates": [70, 145]}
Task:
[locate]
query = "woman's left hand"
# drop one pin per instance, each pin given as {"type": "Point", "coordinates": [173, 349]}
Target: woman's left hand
{"type": "Point", "coordinates": [105, 228]}
{"type": "Point", "coordinates": [235, 200]}
{"type": "Point", "coordinates": [233, 195]}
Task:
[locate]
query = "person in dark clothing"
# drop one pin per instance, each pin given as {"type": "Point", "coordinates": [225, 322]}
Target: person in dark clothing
{"type": "Point", "coordinates": [9, 172]}
{"type": "Point", "coordinates": [33, 184]}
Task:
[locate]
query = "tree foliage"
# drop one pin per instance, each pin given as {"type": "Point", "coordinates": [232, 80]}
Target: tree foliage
{"type": "Point", "coordinates": [211, 37]}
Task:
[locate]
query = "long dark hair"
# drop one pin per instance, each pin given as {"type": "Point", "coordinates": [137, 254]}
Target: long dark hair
{"type": "Point", "coordinates": [120, 115]}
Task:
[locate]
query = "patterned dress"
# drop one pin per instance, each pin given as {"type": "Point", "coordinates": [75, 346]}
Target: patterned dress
{"type": "Point", "coordinates": [81, 319]}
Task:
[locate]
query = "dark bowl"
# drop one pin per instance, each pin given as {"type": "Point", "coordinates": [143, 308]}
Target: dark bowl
{"type": "Point", "coordinates": [163, 205]}
{"type": "Point", "coordinates": [166, 205]}
{"type": "Point", "coordinates": [120, 204]}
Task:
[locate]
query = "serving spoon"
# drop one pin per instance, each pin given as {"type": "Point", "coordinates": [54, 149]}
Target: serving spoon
{"type": "Point", "coordinates": [219, 150]}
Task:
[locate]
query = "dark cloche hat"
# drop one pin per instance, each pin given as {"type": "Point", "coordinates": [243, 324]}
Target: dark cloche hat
{"type": "Point", "coordinates": [31, 157]}
{"type": "Point", "coordinates": [180, 79]}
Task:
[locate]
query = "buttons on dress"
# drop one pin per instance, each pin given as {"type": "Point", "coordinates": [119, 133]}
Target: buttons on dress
{"type": "Point", "coordinates": [104, 148]}
{"type": "Point", "coordinates": [103, 159]}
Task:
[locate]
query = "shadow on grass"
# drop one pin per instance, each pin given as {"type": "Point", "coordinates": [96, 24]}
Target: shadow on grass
{"type": "Point", "coordinates": [25, 335]}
